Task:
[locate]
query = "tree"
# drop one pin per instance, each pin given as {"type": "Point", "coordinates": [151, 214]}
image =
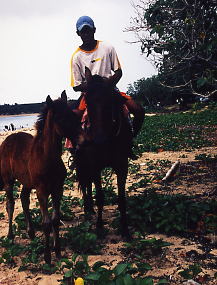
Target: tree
{"type": "Point", "coordinates": [150, 92]}
{"type": "Point", "coordinates": [180, 38]}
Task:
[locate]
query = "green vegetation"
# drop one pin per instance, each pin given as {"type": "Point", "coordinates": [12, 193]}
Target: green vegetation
{"type": "Point", "coordinates": [191, 272]}
{"type": "Point", "coordinates": [181, 131]}
{"type": "Point", "coordinates": [152, 94]}
{"type": "Point", "coordinates": [143, 246]}
{"type": "Point", "coordinates": [151, 209]}
{"type": "Point", "coordinates": [100, 273]}
{"type": "Point", "coordinates": [166, 213]}
{"type": "Point", "coordinates": [15, 109]}
{"type": "Point", "coordinates": [81, 240]}
{"type": "Point", "coordinates": [207, 158]}
{"type": "Point", "coordinates": [179, 37]}
{"type": "Point", "coordinates": [8, 109]}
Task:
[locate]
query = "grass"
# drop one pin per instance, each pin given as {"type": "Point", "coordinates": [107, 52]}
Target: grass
{"type": "Point", "coordinates": [181, 131]}
{"type": "Point", "coordinates": [171, 214]}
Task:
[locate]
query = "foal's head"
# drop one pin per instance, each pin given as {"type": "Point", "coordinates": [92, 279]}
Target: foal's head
{"type": "Point", "coordinates": [58, 117]}
{"type": "Point", "coordinates": [102, 101]}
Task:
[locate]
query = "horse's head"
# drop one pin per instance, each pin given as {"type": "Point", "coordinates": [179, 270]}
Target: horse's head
{"type": "Point", "coordinates": [102, 101]}
{"type": "Point", "coordinates": [58, 117]}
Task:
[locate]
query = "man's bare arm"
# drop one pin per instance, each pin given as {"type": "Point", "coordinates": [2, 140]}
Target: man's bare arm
{"type": "Point", "coordinates": [116, 76]}
{"type": "Point", "coordinates": [82, 87]}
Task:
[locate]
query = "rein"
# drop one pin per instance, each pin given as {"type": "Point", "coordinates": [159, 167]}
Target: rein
{"type": "Point", "coordinates": [114, 121]}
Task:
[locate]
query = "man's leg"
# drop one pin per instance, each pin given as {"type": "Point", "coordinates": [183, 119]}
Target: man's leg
{"type": "Point", "coordinates": [137, 110]}
{"type": "Point", "coordinates": [138, 113]}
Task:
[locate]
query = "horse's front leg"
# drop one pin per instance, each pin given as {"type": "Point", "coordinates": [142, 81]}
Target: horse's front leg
{"type": "Point", "coordinates": [99, 203]}
{"type": "Point", "coordinates": [88, 199]}
{"type": "Point", "coordinates": [46, 222]}
{"type": "Point", "coordinates": [10, 208]}
{"type": "Point", "coordinates": [121, 181]}
{"type": "Point", "coordinates": [25, 204]}
{"type": "Point", "coordinates": [56, 199]}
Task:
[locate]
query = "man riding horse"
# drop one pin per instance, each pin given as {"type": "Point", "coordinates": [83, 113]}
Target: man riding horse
{"type": "Point", "coordinates": [101, 59]}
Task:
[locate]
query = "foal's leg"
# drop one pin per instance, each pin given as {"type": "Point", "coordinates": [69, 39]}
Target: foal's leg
{"type": "Point", "coordinates": [56, 199]}
{"type": "Point", "coordinates": [46, 222]}
{"type": "Point", "coordinates": [25, 204]}
{"type": "Point", "coordinates": [10, 208]}
{"type": "Point", "coordinates": [88, 199]}
{"type": "Point", "coordinates": [121, 181]}
{"type": "Point", "coordinates": [99, 203]}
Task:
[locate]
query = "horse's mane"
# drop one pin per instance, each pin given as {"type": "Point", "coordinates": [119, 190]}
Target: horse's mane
{"type": "Point", "coordinates": [40, 123]}
{"type": "Point", "coordinates": [96, 82]}
{"type": "Point", "coordinates": [97, 79]}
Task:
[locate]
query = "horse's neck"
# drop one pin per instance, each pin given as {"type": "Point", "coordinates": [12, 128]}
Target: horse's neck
{"type": "Point", "coordinates": [49, 142]}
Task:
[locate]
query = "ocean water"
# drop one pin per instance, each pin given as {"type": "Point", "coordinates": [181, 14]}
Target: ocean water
{"type": "Point", "coordinates": [19, 122]}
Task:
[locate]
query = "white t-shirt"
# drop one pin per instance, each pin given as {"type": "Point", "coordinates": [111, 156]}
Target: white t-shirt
{"type": "Point", "coordinates": [102, 61]}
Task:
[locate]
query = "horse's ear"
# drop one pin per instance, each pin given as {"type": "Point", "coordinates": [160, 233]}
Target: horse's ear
{"type": "Point", "coordinates": [88, 75]}
{"type": "Point", "coordinates": [64, 96]}
{"type": "Point", "coordinates": [49, 101]}
{"type": "Point", "coordinates": [112, 80]}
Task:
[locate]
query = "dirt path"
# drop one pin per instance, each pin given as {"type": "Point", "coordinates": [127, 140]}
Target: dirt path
{"type": "Point", "coordinates": [180, 254]}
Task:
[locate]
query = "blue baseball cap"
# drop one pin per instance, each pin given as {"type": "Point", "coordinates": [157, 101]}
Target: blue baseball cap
{"type": "Point", "coordinates": [84, 21]}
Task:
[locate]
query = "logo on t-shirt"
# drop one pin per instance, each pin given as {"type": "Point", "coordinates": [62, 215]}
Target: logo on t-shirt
{"type": "Point", "coordinates": [97, 59]}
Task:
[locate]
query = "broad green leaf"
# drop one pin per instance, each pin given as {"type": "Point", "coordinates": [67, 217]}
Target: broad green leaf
{"type": "Point", "coordinates": [66, 261]}
{"type": "Point", "coordinates": [97, 265]}
{"type": "Point", "coordinates": [128, 280]}
{"type": "Point", "coordinates": [68, 274]}
{"type": "Point", "coordinates": [162, 281]}
{"type": "Point", "coordinates": [148, 281]}
{"type": "Point", "coordinates": [119, 281]}
{"type": "Point", "coordinates": [120, 268]}
{"type": "Point", "coordinates": [144, 266]}
{"type": "Point", "coordinates": [93, 276]}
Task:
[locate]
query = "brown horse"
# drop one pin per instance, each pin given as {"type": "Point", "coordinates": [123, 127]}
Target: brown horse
{"type": "Point", "coordinates": [36, 163]}
{"type": "Point", "coordinates": [108, 144]}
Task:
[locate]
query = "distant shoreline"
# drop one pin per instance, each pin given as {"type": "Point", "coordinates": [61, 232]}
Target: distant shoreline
{"type": "Point", "coordinates": [19, 115]}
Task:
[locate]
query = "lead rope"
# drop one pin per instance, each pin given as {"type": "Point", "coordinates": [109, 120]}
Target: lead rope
{"type": "Point", "coordinates": [114, 120]}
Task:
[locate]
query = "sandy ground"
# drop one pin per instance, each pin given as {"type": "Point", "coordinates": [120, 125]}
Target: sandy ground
{"type": "Point", "coordinates": [167, 264]}
{"type": "Point", "coordinates": [3, 135]}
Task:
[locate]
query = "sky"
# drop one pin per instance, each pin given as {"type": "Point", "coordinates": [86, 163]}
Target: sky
{"type": "Point", "coordinates": [38, 38]}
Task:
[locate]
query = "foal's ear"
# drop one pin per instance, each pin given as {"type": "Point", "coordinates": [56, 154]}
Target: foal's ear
{"type": "Point", "coordinates": [49, 101]}
{"type": "Point", "coordinates": [64, 96]}
{"type": "Point", "coordinates": [88, 75]}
